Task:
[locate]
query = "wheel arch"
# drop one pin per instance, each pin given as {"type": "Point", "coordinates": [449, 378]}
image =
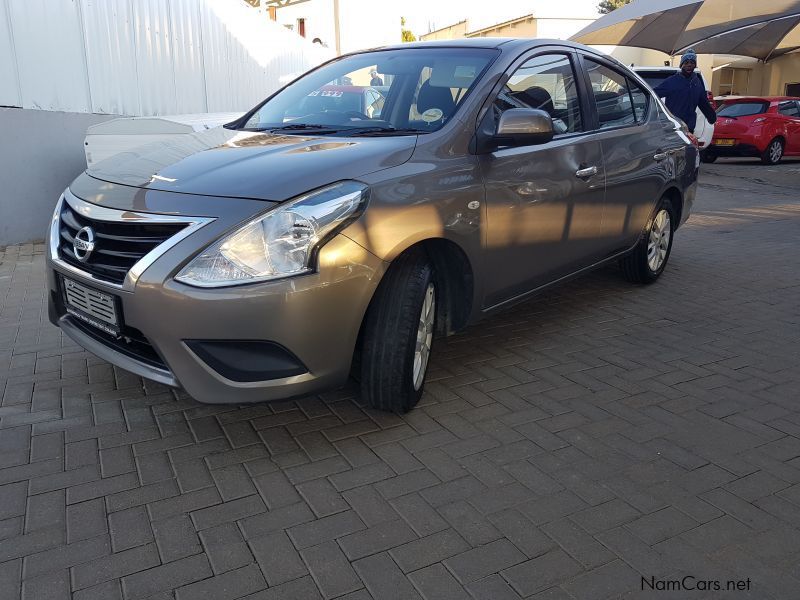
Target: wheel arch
{"type": "Point", "coordinates": [454, 278]}
{"type": "Point", "coordinates": [673, 194]}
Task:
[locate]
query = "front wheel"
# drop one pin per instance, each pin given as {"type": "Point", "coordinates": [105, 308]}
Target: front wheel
{"type": "Point", "coordinates": [649, 258]}
{"type": "Point", "coordinates": [774, 152]}
{"type": "Point", "coordinates": [398, 335]}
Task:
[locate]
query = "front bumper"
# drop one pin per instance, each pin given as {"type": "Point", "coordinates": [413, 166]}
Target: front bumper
{"type": "Point", "coordinates": [211, 342]}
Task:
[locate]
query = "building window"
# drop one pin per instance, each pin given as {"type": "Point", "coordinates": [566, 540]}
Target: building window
{"type": "Point", "coordinates": [301, 27]}
{"type": "Point", "coordinates": [733, 82]}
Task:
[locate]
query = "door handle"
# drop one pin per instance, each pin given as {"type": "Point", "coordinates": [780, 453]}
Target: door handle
{"type": "Point", "coordinates": [659, 156]}
{"type": "Point", "coordinates": [586, 173]}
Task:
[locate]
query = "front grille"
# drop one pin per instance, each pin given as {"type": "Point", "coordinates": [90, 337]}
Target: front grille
{"type": "Point", "coordinates": [132, 343]}
{"type": "Point", "coordinates": [118, 245]}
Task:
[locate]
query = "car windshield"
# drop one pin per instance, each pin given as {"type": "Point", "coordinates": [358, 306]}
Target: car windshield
{"type": "Point", "coordinates": [390, 92]}
{"type": "Point", "coordinates": [742, 109]}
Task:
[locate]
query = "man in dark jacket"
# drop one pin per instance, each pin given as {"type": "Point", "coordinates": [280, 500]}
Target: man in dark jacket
{"type": "Point", "coordinates": [684, 93]}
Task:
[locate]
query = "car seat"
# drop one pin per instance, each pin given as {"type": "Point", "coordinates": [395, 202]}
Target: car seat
{"type": "Point", "coordinates": [435, 97]}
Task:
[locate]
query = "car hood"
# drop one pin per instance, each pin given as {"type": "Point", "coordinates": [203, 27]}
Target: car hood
{"type": "Point", "coordinates": [256, 165]}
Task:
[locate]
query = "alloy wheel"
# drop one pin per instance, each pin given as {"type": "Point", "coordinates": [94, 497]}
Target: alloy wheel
{"type": "Point", "coordinates": [775, 151]}
{"type": "Point", "coordinates": [422, 350]}
{"type": "Point", "coordinates": [658, 244]}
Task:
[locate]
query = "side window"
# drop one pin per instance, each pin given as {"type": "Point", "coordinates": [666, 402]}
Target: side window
{"type": "Point", "coordinates": [546, 83]}
{"type": "Point", "coordinates": [611, 96]}
{"type": "Point", "coordinates": [789, 109]}
{"type": "Point", "coordinates": [640, 100]}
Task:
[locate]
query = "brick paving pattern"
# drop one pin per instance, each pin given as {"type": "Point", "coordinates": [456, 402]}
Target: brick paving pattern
{"type": "Point", "coordinates": [596, 435]}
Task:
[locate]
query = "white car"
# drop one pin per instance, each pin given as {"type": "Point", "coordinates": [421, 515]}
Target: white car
{"type": "Point", "coordinates": [116, 136]}
{"type": "Point", "coordinates": [653, 76]}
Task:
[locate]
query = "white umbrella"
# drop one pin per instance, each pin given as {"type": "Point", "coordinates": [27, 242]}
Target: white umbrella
{"type": "Point", "coordinates": [763, 29]}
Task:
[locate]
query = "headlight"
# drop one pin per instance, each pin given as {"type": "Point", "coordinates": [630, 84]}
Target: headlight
{"type": "Point", "coordinates": [281, 243]}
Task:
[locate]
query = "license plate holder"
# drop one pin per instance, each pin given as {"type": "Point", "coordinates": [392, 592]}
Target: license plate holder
{"type": "Point", "coordinates": [91, 306]}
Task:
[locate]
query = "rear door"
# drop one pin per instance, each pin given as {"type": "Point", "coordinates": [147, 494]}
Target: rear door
{"type": "Point", "coordinates": [790, 110]}
{"type": "Point", "coordinates": [638, 153]}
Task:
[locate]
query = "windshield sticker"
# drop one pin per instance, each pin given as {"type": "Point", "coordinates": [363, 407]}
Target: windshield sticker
{"type": "Point", "coordinates": [432, 114]}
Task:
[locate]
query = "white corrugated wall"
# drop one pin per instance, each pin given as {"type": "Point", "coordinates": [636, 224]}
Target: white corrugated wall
{"type": "Point", "coordinates": [144, 57]}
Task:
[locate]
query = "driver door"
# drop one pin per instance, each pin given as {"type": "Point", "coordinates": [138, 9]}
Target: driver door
{"type": "Point", "coordinates": [544, 202]}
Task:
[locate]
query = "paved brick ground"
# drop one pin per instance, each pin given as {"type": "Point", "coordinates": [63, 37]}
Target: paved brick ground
{"type": "Point", "coordinates": [565, 449]}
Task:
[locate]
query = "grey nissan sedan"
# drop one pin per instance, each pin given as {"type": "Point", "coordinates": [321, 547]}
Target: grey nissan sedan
{"type": "Point", "coordinates": [310, 241]}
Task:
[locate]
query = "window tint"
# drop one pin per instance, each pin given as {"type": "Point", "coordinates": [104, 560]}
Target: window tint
{"type": "Point", "coordinates": [742, 109]}
{"type": "Point", "coordinates": [546, 83]}
{"type": "Point", "coordinates": [789, 109]}
{"type": "Point", "coordinates": [640, 100]}
{"type": "Point", "coordinates": [611, 96]}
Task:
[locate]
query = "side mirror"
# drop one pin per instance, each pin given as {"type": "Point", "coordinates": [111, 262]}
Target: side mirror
{"type": "Point", "coordinates": [524, 127]}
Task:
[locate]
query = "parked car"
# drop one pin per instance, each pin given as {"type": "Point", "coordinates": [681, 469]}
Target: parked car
{"type": "Point", "coordinates": [360, 101]}
{"type": "Point", "coordinates": [115, 136]}
{"type": "Point", "coordinates": [704, 131]}
{"type": "Point", "coordinates": [272, 258]}
{"type": "Point", "coordinates": [767, 127]}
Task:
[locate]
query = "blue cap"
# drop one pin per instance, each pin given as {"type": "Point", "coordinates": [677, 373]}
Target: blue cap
{"type": "Point", "coordinates": [689, 55]}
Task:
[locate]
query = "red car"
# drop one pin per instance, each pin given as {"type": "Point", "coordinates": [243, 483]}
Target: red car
{"type": "Point", "coordinates": [767, 127]}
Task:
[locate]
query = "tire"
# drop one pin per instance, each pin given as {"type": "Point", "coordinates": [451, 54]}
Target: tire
{"type": "Point", "coordinates": [398, 335]}
{"type": "Point", "coordinates": [773, 153]}
{"type": "Point", "coordinates": [642, 265]}
{"type": "Point", "coordinates": [707, 157]}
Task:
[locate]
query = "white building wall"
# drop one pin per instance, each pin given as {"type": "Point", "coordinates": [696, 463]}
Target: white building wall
{"type": "Point", "coordinates": [362, 23]}
{"type": "Point", "coordinates": [144, 57]}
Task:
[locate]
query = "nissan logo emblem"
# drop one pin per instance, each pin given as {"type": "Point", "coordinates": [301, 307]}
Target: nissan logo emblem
{"type": "Point", "coordinates": [83, 244]}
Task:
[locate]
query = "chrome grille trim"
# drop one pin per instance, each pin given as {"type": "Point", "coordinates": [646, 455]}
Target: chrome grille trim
{"type": "Point", "coordinates": [102, 213]}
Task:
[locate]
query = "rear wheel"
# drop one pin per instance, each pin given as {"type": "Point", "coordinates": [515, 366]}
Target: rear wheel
{"type": "Point", "coordinates": [398, 335]}
{"type": "Point", "coordinates": [774, 152]}
{"type": "Point", "coordinates": [648, 260]}
{"type": "Point", "coordinates": [707, 157]}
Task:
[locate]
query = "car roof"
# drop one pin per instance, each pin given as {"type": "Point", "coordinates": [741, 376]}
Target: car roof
{"type": "Point", "coordinates": [511, 45]}
{"type": "Point", "coordinates": [488, 42]}
{"type": "Point", "coordinates": [756, 98]}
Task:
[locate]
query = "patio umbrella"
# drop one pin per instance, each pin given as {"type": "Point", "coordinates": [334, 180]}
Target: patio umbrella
{"type": "Point", "coordinates": [762, 29]}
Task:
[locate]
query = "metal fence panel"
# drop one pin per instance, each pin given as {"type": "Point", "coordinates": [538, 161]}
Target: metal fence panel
{"type": "Point", "coordinates": [110, 57]}
{"type": "Point", "coordinates": [144, 57]}
{"type": "Point", "coordinates": [9, 81]}
{"type": "Point", "coordinates": [49, 50]}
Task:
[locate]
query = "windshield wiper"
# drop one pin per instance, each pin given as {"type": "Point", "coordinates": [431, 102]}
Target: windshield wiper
{"type": "Point", "coordinates": [332, 129]}
{"type": "Point", "coordinates": [380, 130]}
{"type": "Point", "coordinates": [316, 128]}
